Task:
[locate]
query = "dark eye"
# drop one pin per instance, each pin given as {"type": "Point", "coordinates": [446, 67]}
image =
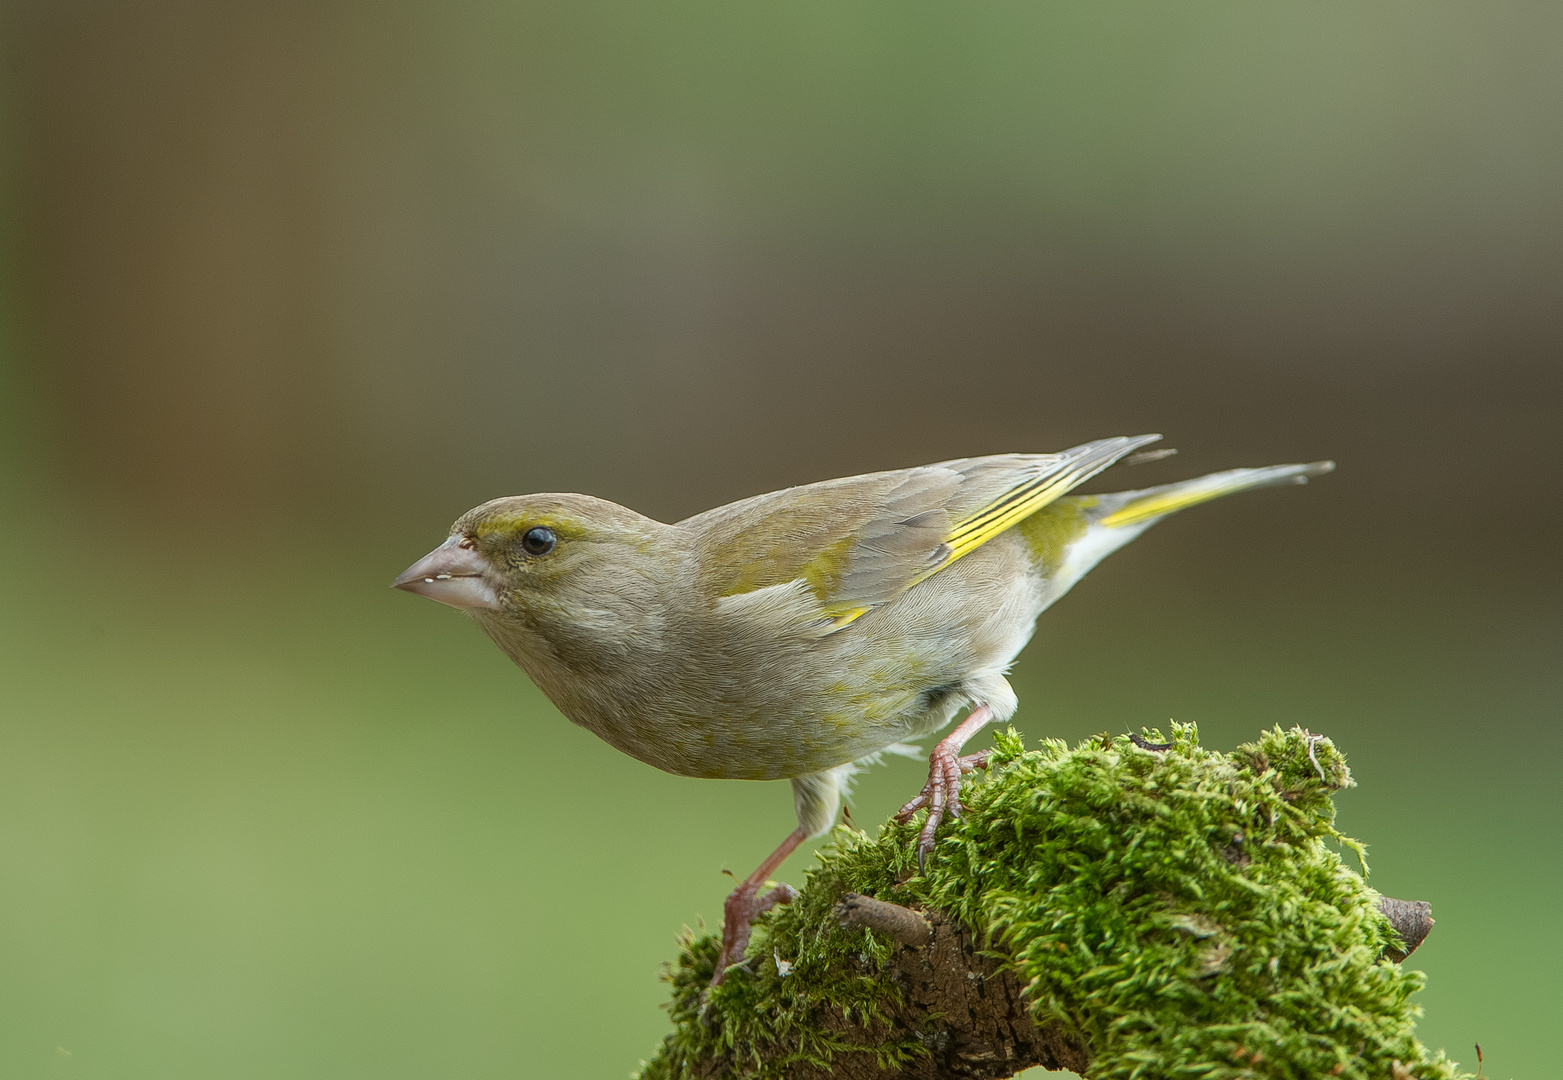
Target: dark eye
{"type": "Point", "coordinates": [539, 541]}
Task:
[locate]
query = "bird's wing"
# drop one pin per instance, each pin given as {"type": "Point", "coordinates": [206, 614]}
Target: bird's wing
{"type": "Point", "coordinates": [861, 541]}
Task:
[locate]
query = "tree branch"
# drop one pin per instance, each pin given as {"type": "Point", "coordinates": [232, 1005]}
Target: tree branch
{"type": "Point", "coordinates": [856, 911]}
{"type": "Point", "coordinates": [1412, 920]}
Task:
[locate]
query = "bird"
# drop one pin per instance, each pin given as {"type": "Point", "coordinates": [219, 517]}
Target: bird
{"type": "Point", "coordinates": [800, 633]}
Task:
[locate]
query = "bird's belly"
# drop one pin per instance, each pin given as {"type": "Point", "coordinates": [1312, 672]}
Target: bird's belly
{"type": "Point", "coordinates": [766, 744]}
{"type": "Point", "coordinates": [774, 740]}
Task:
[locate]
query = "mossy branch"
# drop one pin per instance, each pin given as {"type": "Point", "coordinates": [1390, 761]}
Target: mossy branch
{"type": "Point", "coordinates": [1130, 908]}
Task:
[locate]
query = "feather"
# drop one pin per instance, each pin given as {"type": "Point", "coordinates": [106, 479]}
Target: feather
{"type": "Point", "coordinates": [862, 541]}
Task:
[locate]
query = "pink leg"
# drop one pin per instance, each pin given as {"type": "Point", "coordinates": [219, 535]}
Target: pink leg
{"type": "Point", "coordinates": [941, 794]}
{"type": "Point", "coordinates": [745, 904]}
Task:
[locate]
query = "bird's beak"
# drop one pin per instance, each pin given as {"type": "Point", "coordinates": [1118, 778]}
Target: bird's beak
{"type": "Point", "coordinates": [453, 575]}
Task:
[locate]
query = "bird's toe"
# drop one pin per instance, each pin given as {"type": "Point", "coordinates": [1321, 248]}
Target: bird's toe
{"type": "Point", "coordinates": [744, 905]}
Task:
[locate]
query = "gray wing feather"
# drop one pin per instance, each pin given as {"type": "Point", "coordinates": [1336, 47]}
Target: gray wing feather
{"type": "Point", "coordinates": [905, 538]}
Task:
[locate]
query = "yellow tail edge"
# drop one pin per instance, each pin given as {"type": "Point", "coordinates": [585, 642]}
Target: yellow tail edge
{"type": "Point", "coordinates": [1158, 502]}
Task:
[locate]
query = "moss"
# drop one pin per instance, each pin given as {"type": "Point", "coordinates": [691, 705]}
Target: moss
{"type": "Point", "coordinates": [1182, 912]}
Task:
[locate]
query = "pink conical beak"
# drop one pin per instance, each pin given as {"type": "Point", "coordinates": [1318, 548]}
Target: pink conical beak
{"type": "Point", "coordinates": [453, 574]}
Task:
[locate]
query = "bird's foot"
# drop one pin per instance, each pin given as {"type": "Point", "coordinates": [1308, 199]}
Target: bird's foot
{"type": "Point", "coordinates": [744, 905]}
{"type": "Point", "coordinates": [941, 794]}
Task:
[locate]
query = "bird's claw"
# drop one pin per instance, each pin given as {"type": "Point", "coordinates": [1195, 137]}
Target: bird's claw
{"type": "Point", "coordinates": [744, 905]}
{"type": "Point", "coordinates": [941, 794]}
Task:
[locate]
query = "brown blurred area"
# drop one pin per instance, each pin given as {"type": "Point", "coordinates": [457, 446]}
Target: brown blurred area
{"type": "Point", "coordinates": [294, 261]}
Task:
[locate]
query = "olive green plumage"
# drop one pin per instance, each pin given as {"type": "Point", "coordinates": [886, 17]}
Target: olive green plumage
{"type": "Point", "coordinates": [796, 633]}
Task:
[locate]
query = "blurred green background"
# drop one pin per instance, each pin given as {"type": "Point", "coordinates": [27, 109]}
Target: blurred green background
{"type": "Point", "coordinates": [289, 285]}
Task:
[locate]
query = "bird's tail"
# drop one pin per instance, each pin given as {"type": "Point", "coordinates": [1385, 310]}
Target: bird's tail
{"type": "Point", "coordinates": [1078, 531]}
{"type": "Point", "coordinates": [1140, 508]}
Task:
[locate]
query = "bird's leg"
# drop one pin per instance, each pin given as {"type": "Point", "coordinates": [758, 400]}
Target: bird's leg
{"type": "Point", "coordinates": [942, 793]}
{"type": "Point", "coordinates": [745, 904]}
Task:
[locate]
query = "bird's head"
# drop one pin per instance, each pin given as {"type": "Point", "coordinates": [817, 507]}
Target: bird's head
{"type": "Point", "coordinates": [541, 560]}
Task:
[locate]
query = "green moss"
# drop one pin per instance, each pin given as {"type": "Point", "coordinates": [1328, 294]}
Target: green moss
{"type": "Point", "coordinates": [1182, 911]}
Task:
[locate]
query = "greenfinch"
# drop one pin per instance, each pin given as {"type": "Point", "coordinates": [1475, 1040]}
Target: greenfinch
{"type": "Point", "coordinates": [800, 633]}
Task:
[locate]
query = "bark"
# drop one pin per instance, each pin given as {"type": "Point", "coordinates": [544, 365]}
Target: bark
{"type": "Point", "coordinates": [1412, 920]}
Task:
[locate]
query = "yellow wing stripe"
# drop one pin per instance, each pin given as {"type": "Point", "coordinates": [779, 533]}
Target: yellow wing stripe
{"type": "Point", "coordinates": [1023, 500]}
{"type": "Point", "coordinates": [840, 617]}
{"type": "Point", "coordinates": [1014, 506]}
{"type": "Point", "coordinates": [1008, 509]}
{"type": "Point", "coordinates": [976, 524]}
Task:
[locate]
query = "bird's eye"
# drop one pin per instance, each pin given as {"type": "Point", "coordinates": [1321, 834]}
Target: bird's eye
{"type": "Point", "coordinates": [539, 541]}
